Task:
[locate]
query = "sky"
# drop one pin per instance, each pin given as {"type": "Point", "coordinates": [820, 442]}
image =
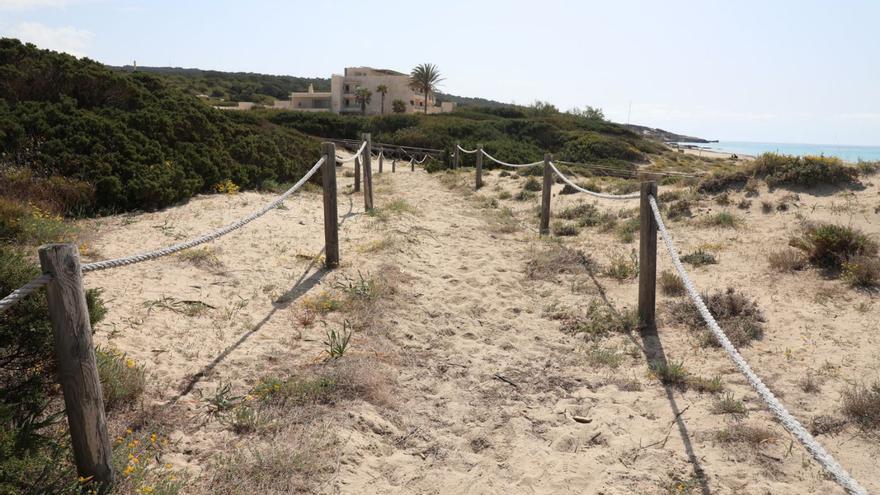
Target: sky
{"type": "Point", "coordinates": [777, 71]}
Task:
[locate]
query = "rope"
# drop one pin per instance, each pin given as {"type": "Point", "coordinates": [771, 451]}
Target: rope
{"type": "Point", "coordinates": [592, 193]}
{"type": "Point", "coordinates": [355, 155]}
{"type": "Point", "coordinates": [24, 291]}
{"type": "Point", "coordinates": [138, 258]}
{"type": "Point", "coordinates": [515, 165]}
{"type": "Point", "coordinates": [467, 151]}
{"type": "Point", "coordinates": [788, 421]}
{"type": "Point", "coordinates": [633, 173]}
{"type": "Point", "coordinates": [419, 162]}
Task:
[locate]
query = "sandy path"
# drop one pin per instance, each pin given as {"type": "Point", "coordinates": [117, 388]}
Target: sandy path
{"type": "Point", "coordinates": [487, 386]}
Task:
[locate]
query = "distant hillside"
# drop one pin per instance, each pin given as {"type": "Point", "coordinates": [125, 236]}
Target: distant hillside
{"type": "Point", "coordinates": [234, 86]}
{"type": "Point", "coordinates": [665, 136]}
{"type": "Point", "coordinates": [466, 101]}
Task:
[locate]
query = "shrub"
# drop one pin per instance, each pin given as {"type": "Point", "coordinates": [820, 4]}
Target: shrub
{"type": "Point", "coordinates": [670, 373]}
{"type": "Point", "coordinates": [122, 379]}
{"type": "Point", "coordinates": [861, 404]}
{"type": "Point", "coordinates": [679, 209]}
{"type": "Point", "coordinates": [787, 260]}
{"type": "Point", "coordinates": [729, 404]}
{"type": "Point", "coordinates": [626, 230]}
{"type": "Point", "coordinates": [766, 207]}
{"type": "Point", "coordinates": [699, 258]}
{"type": "Point", "coordinates": [737, 315]}
{"type": "Point", "coordinates": [623, 267]}
{"type": "Point", "coordinates": [593, 146]}
{"type": "Point", "coordinates": [532, 184]}
{"type": "Point", "coordinates": [722, 219]}
{"type": "Point", "coordinates": [555, 260]}
{"type": "Point", "coordinates": [586, 214]}
{"type": "Point", "coordinates": [830, 246]}
{"type": "Point", "coordinates": [754, 436]}
{"type": "Point", "coordinates": [671, 284]}
{"type": "Point", "coordinates": [862, 271]}
{"type": "Point", "coordinates": [808, 171]}
{"type": "Point", "coordinates": [744, 204]}
{"type": "Point", "coordinates": [564, 229]}
{"type": "Point", "coordinates": [599, 320]}
{"type": "Point", "coordinates": [524, 196]}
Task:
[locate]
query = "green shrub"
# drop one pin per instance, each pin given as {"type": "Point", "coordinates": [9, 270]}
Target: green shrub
{"type": "Point", "coordinates": [670, 373]}
{"type": "Point", "coordinates": [532, 184]}
{"type": "Point", "coordinates": [808, 171]}
{"type": "Point", "coordinates": [122, 379]}
{"type": "Point", "coordinates": [623, 267]}
{"type": "Point", "coordinates": [723, 219]}
{"type": "Point", "coordinates": [862, 271]}
{"type": "Point", "coordinates": [586, 214]}
{"type": "Point", "coordinates": [599, 320]}
{"type": "Point", "coordinates": [699, 258]}
{"type": "Point", "coordinates": [593, 146]}
{"type": "Point", "coordinates": [830, 246]}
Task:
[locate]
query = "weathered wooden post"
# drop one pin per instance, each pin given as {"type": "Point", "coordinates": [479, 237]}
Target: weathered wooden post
{"type": "Point", "coordinates": [381, 151]}
{"type": "Point", "coordinates": [331, 218]}
{"type": "Point", "coordinates": [412, 164]}
{"type": "Point", "coordinates": [647, 258]}
{"type": "Point", "coordinates": [393, 164]}
{"type": "Point", "coordinates": [545, 195]}
{"type": "Point", "coordinates": [77, 368]}
{"type": "Point", "coordinates": [368, 173]}
{"type": "Point", "coordinates": [479, 183]}
{"type": "Point", "coordinates": [455, 156]}
{"type": "Point", "coordinates": [357, 174]}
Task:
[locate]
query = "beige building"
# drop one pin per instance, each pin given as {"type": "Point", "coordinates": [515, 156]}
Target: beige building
{"type": "Point", "coordinates": [341, 97]}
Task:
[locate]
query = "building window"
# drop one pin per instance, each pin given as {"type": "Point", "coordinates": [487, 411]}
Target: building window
{"type": "Point", "coordinates": [347, 102]}
{"type": "Point", "coordinates": [346, 88]}
{"type": "Point", "coordinates": [411, 103]}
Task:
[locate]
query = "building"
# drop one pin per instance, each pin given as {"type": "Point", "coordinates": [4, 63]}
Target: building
{"type": "Point", "coordinates": [341, 97]}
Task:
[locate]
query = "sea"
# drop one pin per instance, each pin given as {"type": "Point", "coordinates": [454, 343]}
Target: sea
{"type": "Point", "coordinates": [847, 153]}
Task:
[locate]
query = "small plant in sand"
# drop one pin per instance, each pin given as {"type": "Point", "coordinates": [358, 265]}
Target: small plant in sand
{"type": "Point", "coordinates": [862, 271]}
{"type": "Point", "coordinates": [744, 204]}
{"type": "Point", "coordinates": [607, 357]}
{"type": "Point", "coordinates": [226, 187]}
{"type": "Point", "coordinates": [671, 284]}
{"type": "Point", "coordinates": [555, 260]}
{"type": "Point", "coordinates": [585, 214]}
{"type": "Point", "coordinates": [122, 378]}
{"type": "Point", "coordinates": [362, 287]}
{"type": "Point", "coordinates": [737, 315]}
{"type": "Point", "coordinates": [723, 199]}
{"type": "Point", "coordinates": [137, 457]}
{"type": "Point", "coordinates": [626, 230]}
{"type": "Point", "coordinates": [670, 373]}
{"type": "Point", "coordinates": [787, 260]}
{"type": "Point", "coordinates": [766, 207]}
{"type": "Point", "coordinates": [729, 404]}
{"type": "Point", "coordinates": [524, 196]}
{"type": "Point", "coordinates": [337, 342]}
{"type": "Point", "coordinates": [561, 229]}
{"type": "Point", "coordinates": [599, 320]}
{"type": "Point", "coordinates": [741, 433]}
{"type": "Point", "coordinates": [830, 246]}
{"type": "Point", "coordinates": [503, 195]}
{"type": "Point", "coordinates": [701, 384]}
{"type": "Point", "coordinates": [723, 219]}
{"type": "Point", "coordinates": [532, 184]}
{"type": "Point", "coordinates": [699, 258]}
{"type": "Point", "coordinates": [321, 303]}
{"type": "Point", "coordinates": [220, 400]}
{"type": "Point", "coordinates": [205, 256]}
{"type": "Point", "coordinates": [679, 209]}
{"type": "Point", "coordinates": [809, 383]}
{"type": "Point", "coordinates": [623, 267]}
{"type": "Point", "coordinates": [861, 404]}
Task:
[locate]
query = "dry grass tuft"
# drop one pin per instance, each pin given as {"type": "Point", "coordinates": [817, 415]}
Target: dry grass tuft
{"type": "Point", "coordinates": [787, 260]}
{"type": "Point", "coordinates": [203, 257]}
{"type": "Point", "coordinates": [737, 315]}
{"type": "Point", "coordinates": [861, 404]}
{"type": "Point", "coordinates": [671, 284]}
{"type": "Point", "coordinates": [557, 260]}
{"type": "Point", "coordinates": [740, 433]}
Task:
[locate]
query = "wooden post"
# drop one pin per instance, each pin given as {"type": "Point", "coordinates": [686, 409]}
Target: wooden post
{"type": "Point", "coordinates": [368, 173]}
{"type": "Point", "coordinates": [357, 174]}
{"type": "Point", "coordinates": [77, 368]}
{"type": "Point", "coordinates": [647, 258]}
{"type": "Point", "coordinates": [412, 164]}
{"type": "Point", "coordinates": [455, 156]}
{"type": "Point", "coordinates": [380, 159]}
{"type": "Point", "coordinates": [331, 217]}
{"type": "Point", "coordinates": [479, 183]}
{"type": "Point", "coordinates": [545, 196]}
{"type": "Point", "coordinates": [393, 164]}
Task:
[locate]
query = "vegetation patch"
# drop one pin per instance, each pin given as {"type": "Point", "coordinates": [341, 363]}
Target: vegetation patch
{"type": "Point", "coordinates": [737, 315]}
{"type": "Point", "coordinates": [599, 320]}
{"type": "Point", "coordinates": [699, 258]}
{"type": "Point", "coordinates": [560, 229]}
{"type": "Point", "coordinates": [861, 404]}
{"type": "Point", "coordinates": [623, 267]}
{"type": "Point", "coordinates": [724, 219]}
{"type": "Point", "coordinates": [556, 260]}
{"type": "Point", "coordinates": [741, 433]}
{"type": "Point", "coordinates": [830, 246]}
{"type": "Point", "coordinates": [122, 378]}
{"type": "Point", "coordinates": [787, 260]}
{"type": "Point", "coordinates": [671, 284]}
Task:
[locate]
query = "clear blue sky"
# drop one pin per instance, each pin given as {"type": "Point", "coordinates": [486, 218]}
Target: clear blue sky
{"type": "Point", "coordinates": [790, 71]}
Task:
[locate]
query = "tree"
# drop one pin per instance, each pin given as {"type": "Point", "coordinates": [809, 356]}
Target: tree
{"type": "Point", "coordinates": [362, 96]}
{"type": "Point", "coordinates": [424, 79]}
{"type": "Point", "coordinates": [382, 90]}
{"type": "Point", "coordinates": [544, 108]}
{"type": "Point", "coordinates": [589, 112]}
{"type": "Point", "coordinates": [398, 106]}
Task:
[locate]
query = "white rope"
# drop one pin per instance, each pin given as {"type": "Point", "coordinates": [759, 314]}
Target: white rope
{"type": "Point", "coordinates": [24, 291]}
{"type": "Point", "coordinates": [355, 155]}
{"type": "Point", "coordinates": [592, 193]}
{"type": "Point", "coordinates": [515, 165]}
{"type": "Point", "coordinates": [467, 151]}
{"type": "Point", "coordinates": [138, 258]}
{"type": "Point", "coordinates": [788, 421]}
{"type": "Point", "coordinates": [419, 162]}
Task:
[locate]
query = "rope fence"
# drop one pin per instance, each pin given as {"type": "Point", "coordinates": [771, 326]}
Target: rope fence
{"type": "Point", "coordinates": [779, 411]}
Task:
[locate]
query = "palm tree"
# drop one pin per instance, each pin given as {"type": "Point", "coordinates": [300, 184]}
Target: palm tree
{"type": "Point", "coordinates": [425, 78]}
{"type": "Point", "coordinates": [382, 90]}
{"type": "Point", "coordinates": [362, 97]}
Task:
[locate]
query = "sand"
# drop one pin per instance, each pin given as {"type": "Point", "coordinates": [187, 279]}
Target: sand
{"type": "Point", "coordinates": [486, 386]}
